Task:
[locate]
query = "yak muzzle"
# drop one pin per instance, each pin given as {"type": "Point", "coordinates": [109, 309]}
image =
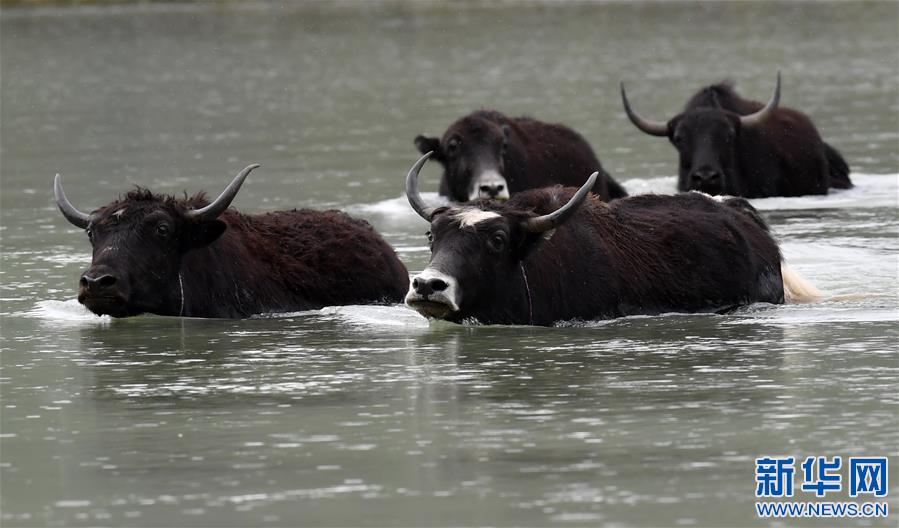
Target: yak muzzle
{"type": "Point", "coordinates": [433, 294]}
{"type": "Point", "coordinates": [490, 185]}
{"type": "Point", "coordinates": [709, 181]}
{"type": "Point", "coordinates": [101, 291]}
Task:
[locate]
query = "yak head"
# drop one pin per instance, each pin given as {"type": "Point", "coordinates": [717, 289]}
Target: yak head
{"type": "Point", "coordinates": [138, 243]}
{"type": "Point", "coordinates": [707, 140]}
{"type": "Point", "coordinates": [476, 250]}
{"type": "Point", "coordinates": [472, 152]}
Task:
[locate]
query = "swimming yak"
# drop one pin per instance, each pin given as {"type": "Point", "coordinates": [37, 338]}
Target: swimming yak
{"type": "Point", "coordinates": [188, 257]}
{"type": "Point", "coordinates": [733, 146]}
{"type": "Point", "coordinates": [560, 254]}
{"type": "Point", "coordinates": [488, 155]}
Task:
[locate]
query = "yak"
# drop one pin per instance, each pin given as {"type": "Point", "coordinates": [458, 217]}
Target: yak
{"type": "Point", "coordinates": [189, 257]}
{"type": "Point", "coordinates": [559, 254]}
{"type": "Point", "coordinates": [733, 146]}
{"type": "Point", "coordinates": [489, 155]}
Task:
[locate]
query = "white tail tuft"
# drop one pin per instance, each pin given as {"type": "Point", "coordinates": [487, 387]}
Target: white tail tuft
{"type": "Point", "coordinates": [797, 289]}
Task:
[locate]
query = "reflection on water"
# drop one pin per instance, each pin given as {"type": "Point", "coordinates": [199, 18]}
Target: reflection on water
{"type": "Point", "coordinates": [251, 417]}
{"type": "Point", "coordinates": [372, 415]}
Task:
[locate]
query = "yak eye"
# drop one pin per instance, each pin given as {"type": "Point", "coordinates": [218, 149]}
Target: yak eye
{"type": "Point", "coordinates": [452, 146]}
{"type": "Point", "coordinates": [497, 241]}
{"type": "Point", "coordinates": [430, 236]}
{"type": "Point", "coordinates": [90, 234]}
{"type": "Point", "coordinates": [163, 230]}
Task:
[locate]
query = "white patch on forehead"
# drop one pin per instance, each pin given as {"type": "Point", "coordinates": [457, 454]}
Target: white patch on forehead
{"type": "Point", "coordinates": [471, 216]}
{"type": "Point", "coordinates": [120, 212]}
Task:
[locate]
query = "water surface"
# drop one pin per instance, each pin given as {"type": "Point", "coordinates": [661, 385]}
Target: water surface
{"type": "Point", "coordinates": [372, 415]}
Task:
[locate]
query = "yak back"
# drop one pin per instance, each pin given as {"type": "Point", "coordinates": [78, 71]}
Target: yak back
{"type": "Point", "coordinates": [786, 156]}
{"type": "Point", "coordinates": [543, 153]}
{"type": "Point", "coordinates": [305, 259]}
{"type": "Point", "coordinates": [722, 95]}
{"type": "Point", "coordinates": [651, 254]}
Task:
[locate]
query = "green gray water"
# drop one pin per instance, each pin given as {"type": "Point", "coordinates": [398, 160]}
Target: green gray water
{"type": "Point", "coordinates": [372, 416]}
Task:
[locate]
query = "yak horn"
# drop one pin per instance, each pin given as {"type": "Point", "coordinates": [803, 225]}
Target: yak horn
{"type": "Point", "coordinates": [653, 128]}
{"type": "Point", "coordinates": [74, 216]}
{"type": "Point", "coordinates": [758, 118]}
{"type": "Point", "coordinates": [221, 203]}
{"type": "Point", "coordinates": [554, 219]}
{"type": "Point", "coordinates": [412, 193]}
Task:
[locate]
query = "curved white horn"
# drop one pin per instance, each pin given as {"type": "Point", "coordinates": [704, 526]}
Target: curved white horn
{"type": "Point", "coordinates": [221, 203]}
{"type": "Point", "coordinates": [554, 219]}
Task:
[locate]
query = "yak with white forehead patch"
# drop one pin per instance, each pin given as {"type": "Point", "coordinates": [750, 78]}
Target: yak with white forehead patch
{"type": "Point", "coordinates": [489, 155]}
{"type": "Point", "coordinates": [558, 254]}
{"type": "Point", "coordinates": [733, 146]}
{"type": "Point", "coordinates": [167, 256]}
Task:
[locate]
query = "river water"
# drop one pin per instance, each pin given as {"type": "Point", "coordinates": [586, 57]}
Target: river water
{"type": "Point", "coordinates": [371, 415]}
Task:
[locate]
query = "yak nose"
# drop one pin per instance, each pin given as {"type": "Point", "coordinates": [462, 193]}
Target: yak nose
{"type": "Point", "coordinates": [705, 177]}
{"type": "Point", "coordinates": [97, 282]}
{"type": "Point", "coordinates": [491, 191]}
{"type": "Point", "coordinates": [426, 287]}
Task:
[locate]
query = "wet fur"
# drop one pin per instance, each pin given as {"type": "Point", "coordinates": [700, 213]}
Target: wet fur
{"type": "Point", "coordinates": [785, 157]}
{"type": "Point", "coordinates": [796, 288]}
{"type": "Point", "coordinates": [538, 154]}
{"type": "Point", "coordinates": [275, 262]}
{"type": "Point", "coordinates": [646, 254]}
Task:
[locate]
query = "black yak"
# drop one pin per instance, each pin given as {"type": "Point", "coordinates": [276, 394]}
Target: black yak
{"type": "Point", "coordinates": [730, 145]}
{"type": "Point", "coordinates": [557, 254]}
{"type": "Point", "coordinates": [489, 155]}
{"type": "Point", "coordinates": [188, 257]}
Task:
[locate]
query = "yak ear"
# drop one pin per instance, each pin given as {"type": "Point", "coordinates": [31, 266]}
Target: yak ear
{"type": "Point", "coordinates": [672, 125]}
{"type": "Point", "coordinates": [429, 144]}
{"type": "Point", "coordinates": [206, 232]}
{"type": "Point", "coordinates": [529, 242]}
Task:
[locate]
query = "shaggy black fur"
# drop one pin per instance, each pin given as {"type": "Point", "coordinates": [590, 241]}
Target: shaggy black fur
{"type": "Point", "coordinates": [528, 153]}
{"type": "Point", "coordinates": [785, 156]}
{"type": "Point", "coordinates": [645, 254]}
{"type": "Point", "coordinates": [236, 265]}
